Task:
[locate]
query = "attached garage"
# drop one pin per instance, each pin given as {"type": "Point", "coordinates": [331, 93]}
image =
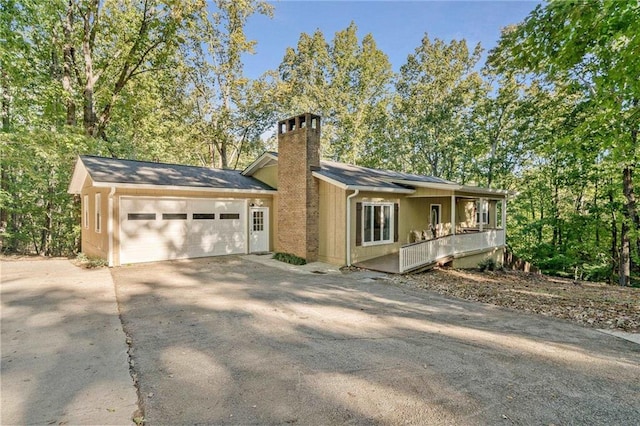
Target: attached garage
{"type": "Point", "coordinates": [135, 211]}
{"type": "Point", "coordinates": [154, 229]}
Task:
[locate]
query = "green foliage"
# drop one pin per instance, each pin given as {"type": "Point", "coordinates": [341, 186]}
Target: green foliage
{"type": "Point", "coordinates": [289, 258]}
{"type": "Point", "coordinates": [347, 82]}
{"type": "Point", "coordinates": [91, 262]}
{"type": "Point", "coordinates": [488, 264]}
{"type": "Point", "coordinates": [436, 90]}
{"type": "Point", "coordinates": [586, 143]}
{"type": "Point", "coordinates": [38, 214]}
{"type": "Point", "coordinates": [554, 116]}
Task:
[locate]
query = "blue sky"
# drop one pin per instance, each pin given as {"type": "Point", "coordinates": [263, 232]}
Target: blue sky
{"type": "Point", "coordinates": [397, 26]}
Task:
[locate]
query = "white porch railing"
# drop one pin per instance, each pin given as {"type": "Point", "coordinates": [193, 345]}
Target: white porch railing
{"type": "Point", "coordinates": [430, 251]}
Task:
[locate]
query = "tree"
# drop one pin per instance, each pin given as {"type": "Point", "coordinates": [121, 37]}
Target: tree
{"type": "Point", "coordinates": [228, 111]}
{"type": "Point", "coordinates": [436, 89]}
{"type": "Point", "coordinates": [346, 81]}
{"type": "Point", "coordinates": [594, 46]}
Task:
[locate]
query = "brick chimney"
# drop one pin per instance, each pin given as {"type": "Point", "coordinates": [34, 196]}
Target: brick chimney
{"type": "Point", "coordinates": [298, 197]}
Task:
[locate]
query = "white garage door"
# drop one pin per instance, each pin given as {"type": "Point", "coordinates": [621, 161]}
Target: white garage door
{"type": "Point", "coordinates": [154, 229]}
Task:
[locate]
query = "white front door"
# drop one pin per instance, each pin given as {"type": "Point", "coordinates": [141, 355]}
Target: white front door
{"type": "Point", "coordinates": [259, 230]}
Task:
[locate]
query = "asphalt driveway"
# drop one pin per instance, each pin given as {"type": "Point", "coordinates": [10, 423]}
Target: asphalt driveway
{"type": "Point", "coordinates": [231, 341]}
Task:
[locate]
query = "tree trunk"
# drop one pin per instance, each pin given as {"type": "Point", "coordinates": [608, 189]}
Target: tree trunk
{"type": "Point", "coordinates": [88, 40]}
{"type": "Point", "coordinates": [625, 256]}
{"type": "Point", "coordinates": [6, 102]}
{"type": "Point", "coordinates": [631, 218]}
{"type": "Point", "coordinates": [68, 65]}
{"type": "Point", "coordinates": [614, 236]}
{"type": "Point", "coordinates": [556, 216]}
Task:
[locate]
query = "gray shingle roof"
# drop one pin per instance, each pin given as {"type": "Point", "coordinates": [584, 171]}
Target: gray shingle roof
{"type": "Point", "coordinates": [363, 176]}
{"type": "Point", "coordinates": [111, 170]}
{"type": "Point", "coordinates": [351, 175]}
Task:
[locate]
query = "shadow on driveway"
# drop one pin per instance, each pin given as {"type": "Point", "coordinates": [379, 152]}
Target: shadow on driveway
{"type": "Point", "coordinates": [230, 341]}
{"type": "Point", "coordinates": [64, 354]}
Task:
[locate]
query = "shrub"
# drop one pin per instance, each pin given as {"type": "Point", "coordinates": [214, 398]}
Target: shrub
{"type": "Point", "coordinates": [289, 258]}
{"type": "Point", "coordinates": [488, 265]}
{"type": "Point", "coordinates": [91, 262]}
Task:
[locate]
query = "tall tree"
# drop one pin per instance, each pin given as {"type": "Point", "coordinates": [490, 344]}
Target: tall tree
{"type": "Point", "coordinates": [594, 46]}
{"type": "Point", "coordinates": [436, 90]}
{"type": "Point", "coordinates": [346, 81]}
{"type": "Point", "coordinates": [108, 44]}
{"type": "Point", "coordinates": [228, 109]}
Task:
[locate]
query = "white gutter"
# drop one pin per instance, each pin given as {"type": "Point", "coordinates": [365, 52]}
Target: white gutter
{"type": "Point", "coordinates": [110, 226]}
{"type": "Point", "coordinates": [183, 188]}
{"type": "Point", "coordinates": [348, 248]}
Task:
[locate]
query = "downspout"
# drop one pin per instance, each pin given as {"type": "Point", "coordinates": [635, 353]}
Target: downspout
{"type": "Point", "coordinates": [348, 248]}
{"type": "Point", "coordinates": [110, 226]}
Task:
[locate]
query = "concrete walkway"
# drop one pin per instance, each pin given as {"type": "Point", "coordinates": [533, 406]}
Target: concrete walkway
{"type": "Point", "coordinates": [64, 353]}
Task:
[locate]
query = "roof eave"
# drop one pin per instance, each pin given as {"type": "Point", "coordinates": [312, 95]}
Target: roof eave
{"type": "Point", "coordinates": [80, 173]}
{"type": "Point", "coordinates": [258, 163]}
{"type": "Point", "coordinates": [342, 185]}
{"type": "Point", "coordinates": [453, 187]}
{"type": "Point", "coordinates": [182, 188]}
{"type": "Point", "coordinates": [478, 190]}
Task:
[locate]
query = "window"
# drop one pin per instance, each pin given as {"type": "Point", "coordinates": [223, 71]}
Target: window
{"type": "Point", "coordinates": [499, 207]}
{"type": "Point", "coordinates": [98, 207]}
{"type": "Point", "coordinates": [204, 216]}
{"type": "Point", "coordinates": [141, 216]}
{"type": "Point", "coordinates": [85, 211]}
{"type": "Point", "coordinates": [258, 221]}
{"type": "Point", "coordinates": [434, 215]}
{"type": "Point", "coordinates": [174, 216]}
{"type": "Point", "coordinates": [377, 223]}
{"type": "Point", "coordinates": [229, 215]}
{"type": "Point", "coordinates": [482, 212]}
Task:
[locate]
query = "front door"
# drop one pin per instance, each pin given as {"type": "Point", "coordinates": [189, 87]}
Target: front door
{"type": "Point", "coordinates": [259, 230]}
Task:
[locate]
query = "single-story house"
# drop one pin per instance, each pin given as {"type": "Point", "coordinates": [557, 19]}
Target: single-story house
{"type": "Point", "coordinates": [290, 201]}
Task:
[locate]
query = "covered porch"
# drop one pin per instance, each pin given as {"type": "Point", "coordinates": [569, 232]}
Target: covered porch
{"type": "Point", "coordinates": [424, 254]}
{"type": "Point", "coordinates": [443, 228]}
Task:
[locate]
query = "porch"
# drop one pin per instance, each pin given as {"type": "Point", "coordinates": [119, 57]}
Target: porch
{"type": "Point", "coordinates": [430, 252]}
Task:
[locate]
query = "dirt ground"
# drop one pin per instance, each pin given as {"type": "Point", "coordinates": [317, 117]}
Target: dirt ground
{"type": "Point", "coordinates": [591, 304]}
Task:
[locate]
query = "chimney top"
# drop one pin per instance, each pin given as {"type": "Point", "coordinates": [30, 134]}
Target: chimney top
{"type": "Point", "coordinates": [304, 121]}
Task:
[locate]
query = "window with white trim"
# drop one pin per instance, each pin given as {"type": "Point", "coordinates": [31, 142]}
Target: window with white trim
{"type": "Point", "coordinates": [98, 208]}
{"type": "Point", "coordinates": [377, 223]}
{"type": "Point", "coordinates": [434, 216]}
{"type": "Point", "coordinates": [85, 211]}
{"type": "Point", "coordinates": [482, 212]}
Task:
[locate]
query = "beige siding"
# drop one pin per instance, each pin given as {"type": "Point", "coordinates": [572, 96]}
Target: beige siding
{"type": "Point", "coordinates": [332, 238]}
{"type": "Point", "coordinates": [429, 192]}
{"type": "Point", "coordinates": [268, 175]}
{"type": "Point", "coordinates": [95, 244]}
{"type": "Point", "coordinates": [465, 213]}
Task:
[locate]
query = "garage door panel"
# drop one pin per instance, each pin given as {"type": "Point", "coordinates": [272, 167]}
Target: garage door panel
{"type": "Point", "coordinates": [175, 233]}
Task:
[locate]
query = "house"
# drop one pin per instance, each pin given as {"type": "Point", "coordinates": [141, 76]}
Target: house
{"type": "Point", "coordinates": [289, 201]}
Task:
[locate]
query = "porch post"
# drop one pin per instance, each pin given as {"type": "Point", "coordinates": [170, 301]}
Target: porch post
{"type": "Point", "coordinates": [504, 215]}
{"type": "Point", "coordinates": [481, 215]}
{"type": "Point", "coordinates": [453, 215]}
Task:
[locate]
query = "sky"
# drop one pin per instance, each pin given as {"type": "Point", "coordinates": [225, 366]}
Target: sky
{"type": "Point", "coordinates": [397, 26]}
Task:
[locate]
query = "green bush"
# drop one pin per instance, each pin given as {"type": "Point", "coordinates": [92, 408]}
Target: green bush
{"type": "Point", "coordinates": [91, 262]}
{"type": "Point", "coordinates": [488, 265]}
{"type": "Point", "coordinates": [289, 258]}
